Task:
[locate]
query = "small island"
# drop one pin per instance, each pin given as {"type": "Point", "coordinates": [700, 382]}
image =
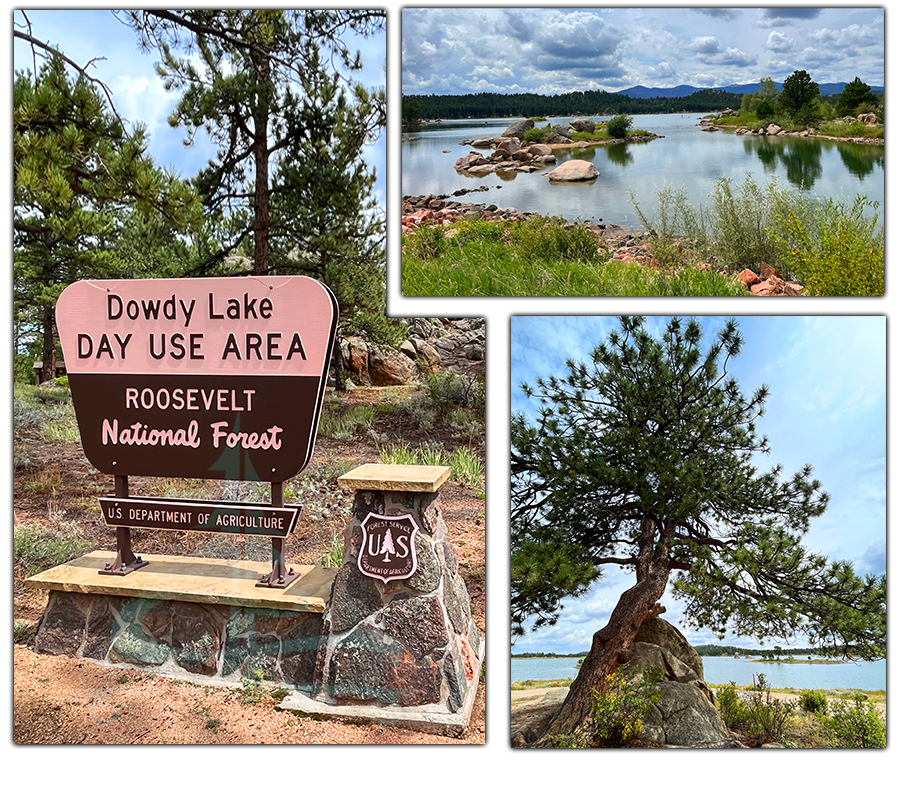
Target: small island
{"type": "Point", "coordinates": [526, 148]}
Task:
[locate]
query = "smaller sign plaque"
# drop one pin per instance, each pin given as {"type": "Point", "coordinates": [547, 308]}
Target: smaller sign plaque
{"type": "Point", "coordinates": [388, 551]}
{"type": "Point", "coordinates": [194, 515]}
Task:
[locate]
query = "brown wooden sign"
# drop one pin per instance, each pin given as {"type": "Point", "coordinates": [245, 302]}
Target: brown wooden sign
{"type": "Point", "coordinates": [388, 550]}
{"type": "Point", "coordinates": [193, 515]}
{"type": "Point", "coordinates": [207, 378]}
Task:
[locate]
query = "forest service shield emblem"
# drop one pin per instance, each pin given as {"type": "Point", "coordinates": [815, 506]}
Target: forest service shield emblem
{"type": "Point", "coordinates": [388, 550]}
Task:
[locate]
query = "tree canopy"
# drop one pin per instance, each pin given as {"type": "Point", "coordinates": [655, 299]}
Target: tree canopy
{"type": "Point", "coordinates": [244, 77]}
{"type": "Point", "coordinates": [78, 174]}
{"type": "Point", "coordinates": [798, 93]}
{"type": "Point", "coordinates": [855, 94]}
{"type": "Point", "coordinates": [642, 458]}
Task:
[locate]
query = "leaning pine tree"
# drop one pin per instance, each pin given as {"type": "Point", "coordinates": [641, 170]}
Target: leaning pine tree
{"type": "Point", "coordinates": [643, 459]}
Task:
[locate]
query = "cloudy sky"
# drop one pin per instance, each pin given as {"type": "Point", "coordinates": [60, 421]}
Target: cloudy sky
{"type": "Point", "coordinates": [545, 50]}
{"type": "Point", "coordinates": [138, 92]}
{"type": "Point", "coordinates": [827, 407]}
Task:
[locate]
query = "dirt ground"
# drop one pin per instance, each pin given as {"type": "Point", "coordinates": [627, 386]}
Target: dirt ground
{"type": "Point", "coordinates": [67, 701]}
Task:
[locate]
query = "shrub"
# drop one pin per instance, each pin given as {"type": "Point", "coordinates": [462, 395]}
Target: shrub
{"type": "Point", "coordinates": [814, 701]}
{"type": "Point", "coordinates": [537, 134]}
{"type": "Point", "coordinates": [854, 726]}
{"type": "Point", "coordinates": [764, 110]}
{"type": "Point", "coordinates": [618, 708]}
{"type": "Point", "coordinates": [837, 252]}
{"type": "Point", "coordinates": [732, 707]}
{"type": "Point", "coordinates": [768, 715]}
{"type": "Point", "coordinates": [448, 390]}
{"type": "Point", "coordinates": [36, 549]}
{"type": "Point", "coordinates": [23, 632]}
{"type": "Point", "coordinates": [618, 126]}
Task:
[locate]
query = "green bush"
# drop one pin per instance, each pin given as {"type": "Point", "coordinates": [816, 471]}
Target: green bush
{"type": "Point", "coordinates": [447, 390]}
{"type": "Point", "coordinates": [537, 134]}
{"type": "Point", "coordinates": [814, 701]}
{"type": "Point", "coordinates": [618, 708]}
{"type": "Point", "coordinates": [36, 549]}
{"type": "Point", "coordinates": [764, 110]}
{"type": "Point", "coordinates": [732, 707]}
{"type": "Point", "coordinates": [618, 126]}
{"type": "Point", "coordinates": [768, 715]}
{"type": "Point", "coordinates": [542, 238]}
{"type": "Point", "coordinates": [23, 632]}
{"type": "Point", "coordinates": [854, 726]}
{"type": "Point", "coordinates": [838, 251]}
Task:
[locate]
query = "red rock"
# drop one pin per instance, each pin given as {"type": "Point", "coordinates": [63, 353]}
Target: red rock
{"type": "Point", "coordinates": [766, 271]}
{"type": "Point", "coordinates": [773, 286]}
{"type": "Point", "coordinates": [748, 277]}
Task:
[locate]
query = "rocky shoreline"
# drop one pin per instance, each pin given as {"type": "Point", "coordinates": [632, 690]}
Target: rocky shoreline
{"type": "Point", "coordinates": [774, 130]}
{"type": "Point", "coordinates": [628, 246]}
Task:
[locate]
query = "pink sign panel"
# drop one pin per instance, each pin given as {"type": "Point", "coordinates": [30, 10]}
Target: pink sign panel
{"type": "Point", "coordinates": [218, 378]}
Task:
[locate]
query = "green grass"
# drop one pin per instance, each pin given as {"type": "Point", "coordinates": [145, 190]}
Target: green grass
{"type": "Point", "coordinates": [345, 425]}
{"type": "Point", "coordinates": [531, 684]}
{"type": "Point", "coordinates": [466, 467]}
{"type": "Point", "coordinates": [855, 129]}
{"type": "Point", "coordinates": [539, 257]}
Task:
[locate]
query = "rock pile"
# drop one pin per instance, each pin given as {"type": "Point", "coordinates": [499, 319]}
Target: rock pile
{"type": "Point", "coordinates": [769, 283]}
{"type": "Point", "coordinates": [442, 210]}
{"type": "Point", "coordinates": [433, 344]}
{"type": "Point", "coordinates": [509, 155]}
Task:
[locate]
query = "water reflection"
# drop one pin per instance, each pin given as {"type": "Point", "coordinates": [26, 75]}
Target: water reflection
{"type": "Point", "coordinates": [802, 162]}
{"type": "Point", "coordinates": [861, 160]}
{"type": "Point", "coordinates": [621, 154]}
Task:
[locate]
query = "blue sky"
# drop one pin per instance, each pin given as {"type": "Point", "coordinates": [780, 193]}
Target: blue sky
{"type": "Point", "coordinates": [138, 92]}
{"type": "Point", "coordinates": [557, 50]}
{"type": "Point", "coordinates": [827, 407]}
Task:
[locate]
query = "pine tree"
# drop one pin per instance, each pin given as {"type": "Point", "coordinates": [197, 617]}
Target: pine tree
{"type": "Point", "coordinates": [854, 94]}
{"type": "Point", "coordinates": [642, 458]}
{"type": "Point", "coordinates": [248, 94]}
{"type": "Point", "coordinates": [78, 174]}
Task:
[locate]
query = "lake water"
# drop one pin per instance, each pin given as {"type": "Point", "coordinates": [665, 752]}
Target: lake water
{"type": "Point", "coordinates": [720, 670]}
{"type": "Point", "coordinates": [687, 158]}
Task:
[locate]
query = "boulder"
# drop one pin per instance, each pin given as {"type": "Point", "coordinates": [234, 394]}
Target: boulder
{"type": "Point", "coordinates": [682, 716]}
{"type": "Point", "coordinates": [685, 713]}
{"type": "Point", "coordinates": [388, 367]}
{"type": "Point", "coordinates": [538, 149]}
{"type": "Point", "coordinates": [868, 118]}
{"type": "Point", "coordinates": [484, 142]}
{"type": "Point", "coordinates": [773, 129]}
{"type": "Point", "coordinates": [582, 125]}
{"type": "Point", "coordinates": [661, 633]}
{"type": "Point", "coordinates": [518, 128]}
{"type": "Point", "coordinates": [748, 277]}
{"type": "Point", "coordinates": [574, 170]}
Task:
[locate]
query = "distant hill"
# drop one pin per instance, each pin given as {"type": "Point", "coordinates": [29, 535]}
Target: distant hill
{"type": "Point", "coordinates": [679, 91]}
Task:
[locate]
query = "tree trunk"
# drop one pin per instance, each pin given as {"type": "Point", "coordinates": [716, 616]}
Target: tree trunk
{"type": "Point", "coordinates": [261, 164]}
{"type": "Point", "coordinates": [48, 356]}
{"type": "Point", "coordinates": [337, 364]}
{"type": "Point", "coordinates": [610, 645]}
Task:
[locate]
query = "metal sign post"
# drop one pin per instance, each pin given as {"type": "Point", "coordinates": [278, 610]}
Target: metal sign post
{"type": "Point", "coordinates": [125, 562]}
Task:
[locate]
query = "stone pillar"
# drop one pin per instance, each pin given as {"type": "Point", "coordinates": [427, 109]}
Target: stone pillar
{"type": "Point", "coordinates": [402, 643]}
